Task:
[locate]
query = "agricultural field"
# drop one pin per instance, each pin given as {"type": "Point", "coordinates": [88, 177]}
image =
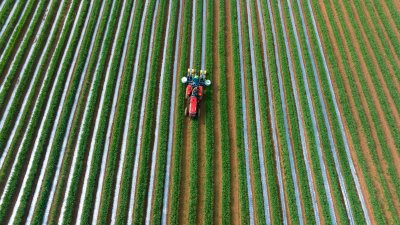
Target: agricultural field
{"type": "Point", "coordinates": [300, 124]}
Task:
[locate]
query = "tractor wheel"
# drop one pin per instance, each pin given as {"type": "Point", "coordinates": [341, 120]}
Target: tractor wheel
{"type": "Point", "coordinates": [198, 113]}
{"type": "Point", "coordinates": [186, 96]}
{"type": "Point", "coordinates": [186, 111]}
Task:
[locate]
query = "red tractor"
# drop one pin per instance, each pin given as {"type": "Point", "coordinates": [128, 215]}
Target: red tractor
{"type": "Point", "coordinates": [195, 85]}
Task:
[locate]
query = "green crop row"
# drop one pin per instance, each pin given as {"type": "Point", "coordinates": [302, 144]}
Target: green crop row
{"type": "Point", "coordinates": [107, 188]}
{"type": "Point", "coordinates": [340, 147]}
{"type": "Point", "coordinates": [303, 182]}
{"type": "Point", "coordinates": [194, 155]}
{"type": "Point", "coordinates": [28, 141]}
{"type": "Point", "coordinates": [13, 22]}
{"type": "Point", "coordinates": [387, 76]}
{"type": "Point", "coordinates": [244, 203]}
{"type": "Point", "coordinates": [393, 13]}
{"type": "Point", "coordinates": [23, 86]}
{"type": "Point", "coordinates": [209, 147]}
{"type": "Point", "coordinates": [105, 110]}
{"type": "Point", "coordinates": [5, 12]}
{"type": "Point", "coordinates": [279, 112]}
{"type": "Point", "coordinates": [63, 121]}
{"type": "Point", "coordinates": [133, 126]}
{"type": "Point", "coordinates": [164, 123]}
{"type": "Point", "coordinates": [223, 103]}
{"type": "Point", "coordinates": [324, 140]}
{"type": "Point", "coordinates": [386, 25]}
{"type": "Point", "coordinates": [24, 46]}
{"type": "Point", "coordinates": [258, 196]}
{"type": "Point", "coordinates": [176, 177]}
{"type": "Point", "coordinates": [379, 55]}
{"type": "Point", "coordinates": [13, 40]}
{"type": "Point", "coordinates": [307, 119]}
{"type": "Point", "coordinates": [73, 135]}
{"type": "Point", "coordinates": [143, 177]}
{"type": "Point", "coordinates": [4, 133]}
{"type": "Point", "coordinates": [360, 110]}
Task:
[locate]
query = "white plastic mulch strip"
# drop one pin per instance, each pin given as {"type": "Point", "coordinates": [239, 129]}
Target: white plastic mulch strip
{"type": "Point", "coordinates": [258, 118]}
{"type": "Point", "coordinates": [142, 111]}
{"type": "Point", "coordinates": [300, 123]}
{"type": "Point", "coordinates": [9, 17]}
{"type": "Point", "coordinates": [26, 63]}
{"type": "Point", "coordinates": [171, 121]}
{"type": "Point", "coordinates": [157, 129]}
{"type": "Point", "coordinates": [6, 111]}
{"type": "Point", "coordinates": [92, 143]}
{"type": "Point", "coordinates": [352, 168]}
{"type": "Point", "coordinates": [37, 139]}
{"type": "Point", "coordinates": [126, 125]}
{"type": "Point", "coordinates": [110, 122]}
{"type": "Point", "coordinates": [244, 114]}
{"type": "Point", "coordinates": [57, 119]}
{"type": "Point", "coordinates": [13, 34]}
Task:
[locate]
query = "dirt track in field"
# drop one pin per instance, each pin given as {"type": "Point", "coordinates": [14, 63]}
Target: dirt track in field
{"type": "Point", "coordinates": [235, 203]}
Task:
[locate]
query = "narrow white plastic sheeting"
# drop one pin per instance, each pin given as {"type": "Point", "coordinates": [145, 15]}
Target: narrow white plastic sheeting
{"type": "Point", "coordinates": [346, 145]}
{"type": "Point", "coordinates": [299, 118]}
{"type": "Point", "coordinates": [281, 191]}
{"type": "Point", "coordinates": [9, 16]}
{"type": "Point", "coordinates": [2, 5]}
{"type": "Point", "coordinates": [13, 34]}
{"type": "Point", "coordinates": [157, 129]}
{"type": "Point", "coordinates": [25, 101]}
{"type": "Point", "coordinates": [57, 119]}
{"type": "Point", "coordinates": [39, 132]}
{"type": "Point", "coordinates": [289, 144]}
{"type": "Point", "coordinates": [192, 34]}
{"type": "Point", "coordinates": [130, 101]}
{"type": "Point", "coordinates": [142, 111]}
{"type": "Point", "coordinates": [36, 103]}
{"type": "Point", "coordinates": [322, 105]}
{"type": "Point", "coordinates": [92, 143]}
{"type": "Point", "coordinates": [258, 118]}
{"type": "Point", "coordinates": [171, 120]}
{"type": "Point", "coordinates": [66, 136]}
{"type": "Point", "coordinates": [203, 40]}
{"type": "Point", "coordinates": [244, 113]}
{"type": "Point", "coordinates": [109, 126]}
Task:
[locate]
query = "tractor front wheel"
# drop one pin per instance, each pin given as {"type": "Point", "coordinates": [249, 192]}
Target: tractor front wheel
{"type": "Point", "coordinates": [186, 111]}
{"type": "Point", "coordinates": [198, 113]}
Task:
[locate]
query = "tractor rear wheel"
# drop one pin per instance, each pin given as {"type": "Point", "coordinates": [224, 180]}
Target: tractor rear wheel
{"type": "Point", "coordinates": [186, 111]}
